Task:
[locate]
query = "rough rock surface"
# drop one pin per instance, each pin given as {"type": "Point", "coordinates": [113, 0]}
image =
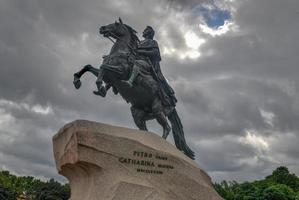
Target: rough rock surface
{"type": "Point", "coordinates": [104, 162]}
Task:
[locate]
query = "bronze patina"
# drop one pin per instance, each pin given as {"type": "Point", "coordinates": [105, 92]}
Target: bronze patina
{"type": "Point", "coordinates": [132, 69]}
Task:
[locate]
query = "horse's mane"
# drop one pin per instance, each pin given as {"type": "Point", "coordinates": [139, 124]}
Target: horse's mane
{"type": "Point", "coordinates": [134, 38]}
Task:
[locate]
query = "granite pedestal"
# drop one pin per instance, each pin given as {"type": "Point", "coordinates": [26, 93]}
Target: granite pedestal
{"type": "Point", "coordinates": [104, 162]}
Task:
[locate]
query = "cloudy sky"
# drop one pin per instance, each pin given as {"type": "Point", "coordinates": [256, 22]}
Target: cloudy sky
{"type": "Point", "coordinates": [233, 65]}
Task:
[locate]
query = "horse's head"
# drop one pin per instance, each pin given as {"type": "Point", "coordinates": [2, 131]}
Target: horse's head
{"type": "Point", "coordinates": [115, 30]}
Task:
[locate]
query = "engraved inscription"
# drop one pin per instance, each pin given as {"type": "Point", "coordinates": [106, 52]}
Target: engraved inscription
{"type": "Point", "coordinates": [147, 162]}
{"type": "Point", "coordinates": [136, 162]}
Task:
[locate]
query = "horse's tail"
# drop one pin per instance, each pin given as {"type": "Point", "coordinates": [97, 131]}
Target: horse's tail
{"type": "Point", "coordinates": [178, 134]}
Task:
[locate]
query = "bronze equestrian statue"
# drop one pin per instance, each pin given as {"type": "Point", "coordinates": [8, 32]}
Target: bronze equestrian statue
{"type": "Point", "coordinates": [132, 69]}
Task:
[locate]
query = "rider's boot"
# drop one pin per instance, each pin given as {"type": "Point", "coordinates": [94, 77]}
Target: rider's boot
{"type": "Point", "coordinates": [133, 76]}
{"type": "Point", "coordinates": [101, 89]}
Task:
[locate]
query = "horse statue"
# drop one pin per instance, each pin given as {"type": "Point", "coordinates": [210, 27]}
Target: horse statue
{"type": "Point", "coordinates": [145, 95]}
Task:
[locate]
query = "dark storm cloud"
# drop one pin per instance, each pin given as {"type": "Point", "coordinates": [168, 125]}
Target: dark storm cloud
{"type": "Point", "coordinates": [25, 147]}
{"type": "Point", "coordinates": [238, 101]}
{"type": "Point", "coordinates": [212, 159]}
{"type": "Point", "coordinates": [233, 104]}
{"type": "Point", "coordinates": [245, 79]}
{"type": "Point", "coordinates": [42, 44]}
{"type": "Point", "coordinates": [183, 4]}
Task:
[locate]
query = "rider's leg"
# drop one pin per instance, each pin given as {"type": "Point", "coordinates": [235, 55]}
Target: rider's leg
{"type": "Point", "coordinates": [160, 117]}
{"type": "Point", "coordinates": [134, 74]}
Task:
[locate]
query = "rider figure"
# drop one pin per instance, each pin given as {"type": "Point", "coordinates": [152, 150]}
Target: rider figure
{"type": "Point", "coordinates": [148, 49]}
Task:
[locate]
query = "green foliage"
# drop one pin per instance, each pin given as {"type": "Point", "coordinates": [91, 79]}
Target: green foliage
{"type": "Point", "coordinates": [281, 185]}
{"type": "Point", "coordinates": [6, 194]}
{"type": "Point", "coordinates": [278, 192]}
{"type": "Point", "coordinates": [52, 190]}
{"type": "Point", "coordinates": [282, 176]}
{"type": "Point", "coordinates": [225, 190]}
{"type": "Point", "coordinates": [273, 193]}
{"type": "Point", "coordinates": [12, 186]}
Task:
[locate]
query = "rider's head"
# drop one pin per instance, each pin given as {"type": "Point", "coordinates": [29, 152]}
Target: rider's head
{"type": "Point", "coordinates": [149, 32]}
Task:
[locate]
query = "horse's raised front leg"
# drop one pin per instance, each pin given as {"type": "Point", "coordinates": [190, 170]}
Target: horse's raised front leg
{"type": "Point", "coordinates": [77, 76]}
{"type": "Point", "coordinates": [101, 89]}
{"type": "Point", "coordinates": [108, 71]}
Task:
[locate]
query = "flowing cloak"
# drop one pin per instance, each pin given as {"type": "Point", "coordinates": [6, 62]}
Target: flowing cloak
{"type": "Point", "coordinates": [153, 53]}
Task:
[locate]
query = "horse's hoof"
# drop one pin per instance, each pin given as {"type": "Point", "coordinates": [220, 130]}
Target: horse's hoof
{"type": "Point", "coordinates": [164, 136]}
{"type": "Point", "coordinates": [166, 133]}
{"type": "Point", "coordinates": [99, 93]}
{"type": "Point", "coordinates": [102, 92]}
{"type": "Point", "coordinates": [77, 83]}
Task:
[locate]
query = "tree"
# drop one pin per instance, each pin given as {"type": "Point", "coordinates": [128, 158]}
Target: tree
{"type": "Point", "coordinates": [280, 185]}
{"type": "Point", "coordinates": [225, 190]}
{"type": "Point", "coordinates": [274, 193]}
{"type": "Point", "coordinates": [247, 191]}
{"type": "Point", "coordinates": [6, 194]}
{"type": "Point", "coordinates": [52, 190]}
{"type": "Point", "coordinates": [282, 176]}
{"type": "Point", "coordinates": [31, 188]}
